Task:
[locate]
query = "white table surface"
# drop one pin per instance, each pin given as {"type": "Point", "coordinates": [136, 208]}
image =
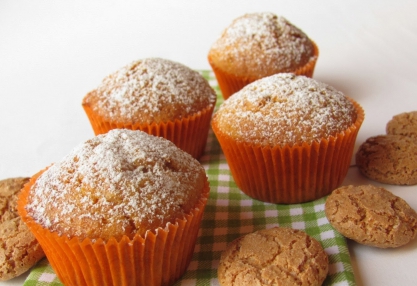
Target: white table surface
{"type": "Point", "coordinates": [53, 52]}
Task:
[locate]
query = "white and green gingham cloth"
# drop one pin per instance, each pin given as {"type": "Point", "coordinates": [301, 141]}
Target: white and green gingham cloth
{"type": "Point", "coordinates": [229, 214]}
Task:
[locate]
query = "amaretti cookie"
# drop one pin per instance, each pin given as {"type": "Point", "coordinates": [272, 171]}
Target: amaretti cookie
{"type": "Point", "coordinates": [123, 208]}
{"type": "Point", "coordinates": [272, 257]}
{"type": "Point", "coordinates": [371, 215]}
{"type": "Point", "coordinates": [158, 96]}
{"type": "Point", "coordinates": [389, 159]}
{"type": "Point", "coordinates": [257, 45]}
{"type": "Point", "coordinates": [403, 124]}
{"type": "Point", "coordinates": [288, 138]}
{"type": "Point", "coordinates": [19, 248]}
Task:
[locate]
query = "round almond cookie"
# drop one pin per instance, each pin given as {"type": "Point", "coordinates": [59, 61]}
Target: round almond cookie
{"type": "Point", "coordinates": [403, 124]}
{"type": "Point", "coordinates": [371, 215]}
{"type": "Point", "coordinates": [275, 256]}
{"type": "Point", "coordinates": [389, 159]}
{"type": "Point", "coordinates": [19, 249]}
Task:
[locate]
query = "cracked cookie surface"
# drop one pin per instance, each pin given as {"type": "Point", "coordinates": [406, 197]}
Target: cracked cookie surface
{"type": "Point", "coordinates": [19, 249]}
{"type": "Point", "coordinates": [389, 159]}
{"type": "Point", "coordinates": [371, 215]}
{"type": "Point", "coordinates": [403, 124]}
{"type": "Point", "coordinates": [275, 256]}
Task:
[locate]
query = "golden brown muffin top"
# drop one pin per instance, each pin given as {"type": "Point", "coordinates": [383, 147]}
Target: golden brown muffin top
{"type": "Point", "coordinates": [261, 44]}
{"type": "Point", "coordinates": [285, 109]}
{"type": "Point", "coordinates": [151, 90]}
{"type": "Point", "coordinates": [120, 183]}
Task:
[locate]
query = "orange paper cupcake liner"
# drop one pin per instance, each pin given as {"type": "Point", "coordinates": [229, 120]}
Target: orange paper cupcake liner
{"type": "Point", "coordinates": [230, 83]}
{"type": "Point", "coordinates": [291, 174]}
{"type": "Point", "coordinates": [158, 258]}
{"type": "Point", "coordinates": [189, 133]}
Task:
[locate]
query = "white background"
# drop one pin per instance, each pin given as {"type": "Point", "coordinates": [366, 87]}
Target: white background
{"type": "Point", "coordinates": [53, 52]}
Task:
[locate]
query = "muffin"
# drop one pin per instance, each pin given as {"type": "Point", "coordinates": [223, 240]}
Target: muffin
{"type": "Point", "coordinates": [288, 138]}
{"type": "Point", "coordinates": [158, 96]}
{"type": "Point", "coordinates": [272, 256]}
{"type": "Point", "coordinates": [123, 208]}
{"type": "Point", "coordinates": [257, 45]}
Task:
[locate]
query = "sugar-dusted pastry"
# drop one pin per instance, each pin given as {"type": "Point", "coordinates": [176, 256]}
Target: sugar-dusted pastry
{"type": "Point", "coordinates": [158, 96]}
{"type": "Point", "coordinates": [122, 208]}
{"type": "Point", "coordinates": [288, 138]}
{"type": "Point", "coordinates": [257, 45]}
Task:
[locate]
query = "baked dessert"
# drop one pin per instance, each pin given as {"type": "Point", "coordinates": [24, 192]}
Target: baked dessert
{"type": "Point", "coordinates": [403, 124]}
{"type": "Point", "coordinates": [275, 256]}
{"type": "Point", "coordinates": [257, 45]}
{"type": "Point", "coordinates": [122, 208]}
{"type": "Point", "coordinates": [158, 96]}
{"type": "Point", "coordinates": [389, 159]}
{"type": "Point", "coordinates": [288, 138]}
{"type": "Point", "coordinates": [371, 215]}
{"type": "Point", "coordinates": [19, 248]}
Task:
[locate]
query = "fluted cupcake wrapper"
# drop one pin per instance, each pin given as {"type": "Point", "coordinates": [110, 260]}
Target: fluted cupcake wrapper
{"type": "Point", "coordinates": [291, 174]}
{"type": "Point", "coordinates": [229, 83]}
{"type": "Point", "coordinates": [189, 133]}
{"type": "Point", "coordinates": [159, 258]}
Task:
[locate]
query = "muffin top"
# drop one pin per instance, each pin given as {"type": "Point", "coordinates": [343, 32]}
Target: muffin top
{"type": "Point", "coordinates": [261, 44]}
{"type": "Point", "coordinates": [151, 90]}
{"type": "Point", "coordinates": [285, 109]}
{"type": "Point", "coordinates": [120, 183]}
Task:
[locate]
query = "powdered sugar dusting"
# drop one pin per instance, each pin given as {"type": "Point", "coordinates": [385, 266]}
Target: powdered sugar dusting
{"type": "Point", "coordinates": [262, 43]}
{"type": "Point", "coordinates": [116, 183]}
{"type": "Point", "coordinates": [285, 109]}
{"type": "Point", "coordinates": [151, 90]}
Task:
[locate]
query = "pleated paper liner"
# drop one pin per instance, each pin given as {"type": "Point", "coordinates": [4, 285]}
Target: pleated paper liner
{"type": "Point", "coordinates": [290, 174]}
{"type": "Point", "coordinates": [188, 133]}
{"type": "Point", "coordinates": [230, 83]}
{"type": "Point", "coordinates": [159, 258]}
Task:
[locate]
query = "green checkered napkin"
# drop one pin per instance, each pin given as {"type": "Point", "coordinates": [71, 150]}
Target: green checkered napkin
{"type": "Point", "coordinates": [229, 214]}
